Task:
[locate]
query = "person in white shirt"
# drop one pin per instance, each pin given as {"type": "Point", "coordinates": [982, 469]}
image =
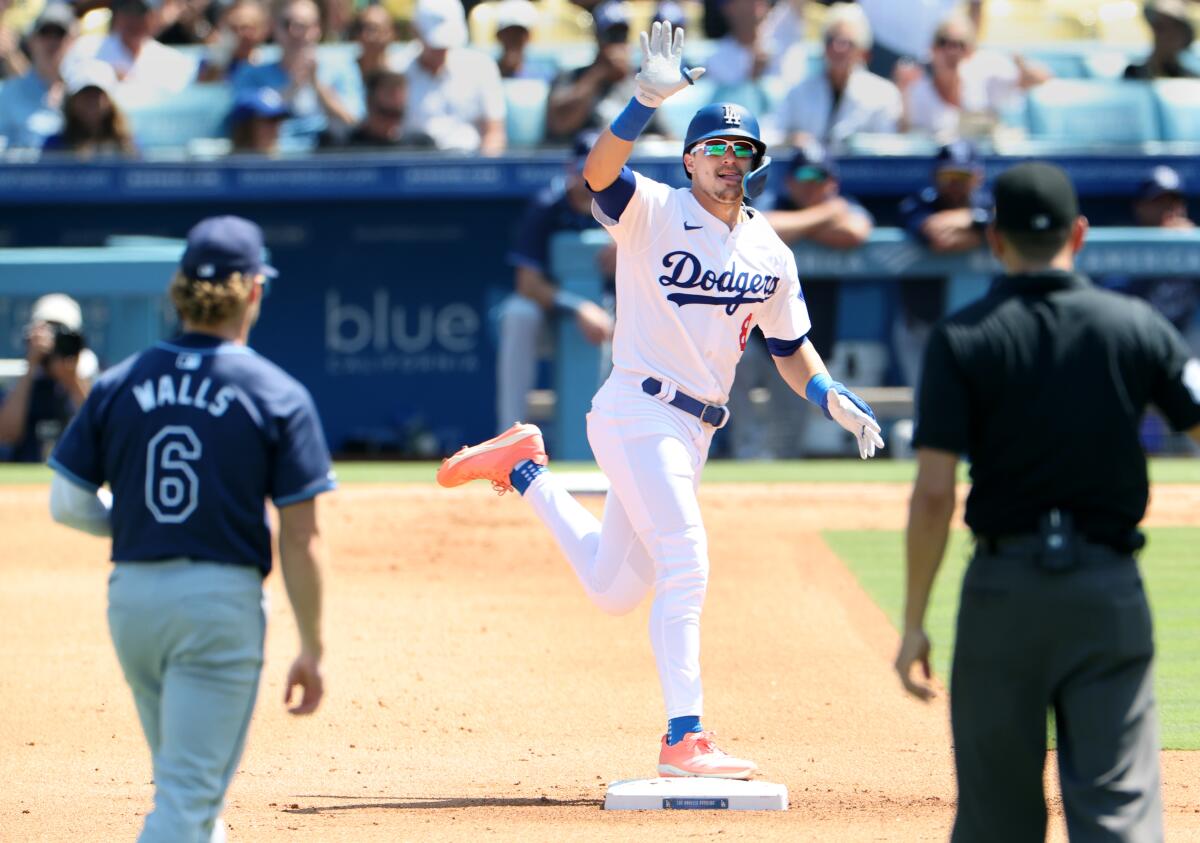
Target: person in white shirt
{"type": "Point", "coordinates": [454, 93]}
{"type": "Point", "coordinates": [903, 28]}
{"type": "Point", "coordinates": [966, 90]}
{"type": "Point", "coordinates": [139, 60]}
{"type": "Point", "coordinates": [741, 56]}
{"type": "Point", "coordinates": [847, 98]}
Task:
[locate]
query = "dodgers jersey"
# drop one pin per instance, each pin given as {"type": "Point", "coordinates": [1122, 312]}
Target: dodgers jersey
{"type": "Point", "coordinates": [193, 435]}
{"type": "Point", "coordinates": [690, 290]}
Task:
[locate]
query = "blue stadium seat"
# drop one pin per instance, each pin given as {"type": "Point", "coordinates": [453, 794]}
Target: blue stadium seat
{"type": "Point", "coordinates": [526, 117]}
{"type": "Point", "coordinates": [198, 111]}
{"type": "Point", "coordinates": [1093, 111]}
{"type": "Point", "coordinates": [1179, 103]}
{"type": "Point", "coordinates": [677, 110]}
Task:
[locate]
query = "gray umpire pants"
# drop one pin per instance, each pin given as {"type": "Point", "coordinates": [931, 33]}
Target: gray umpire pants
{"type": "Point", "coordinates": [1079, 642]}
{"type": "Point", "coordinates": [189, 636]}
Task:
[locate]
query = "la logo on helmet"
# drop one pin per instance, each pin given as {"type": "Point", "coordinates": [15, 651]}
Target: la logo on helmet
{"type": "Point", "coordinates": [732, 118]}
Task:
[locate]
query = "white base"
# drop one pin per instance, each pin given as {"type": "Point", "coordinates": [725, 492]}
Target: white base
{"type": "Point", "coordinates": [695, 794]}
{"type": "Point", "coordinates": [582, 482]}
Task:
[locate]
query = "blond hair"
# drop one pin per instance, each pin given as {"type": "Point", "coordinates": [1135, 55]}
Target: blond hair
{"type": "Point", "coordinates": [850, 15]}
{"type": "Point", "coordinates": [210, 302]}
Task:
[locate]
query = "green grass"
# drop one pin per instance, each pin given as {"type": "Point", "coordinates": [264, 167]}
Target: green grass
{"type": "Point", "coordinates": [718, 471]}
{"type": "Point", "coordinates": [1169, 570]}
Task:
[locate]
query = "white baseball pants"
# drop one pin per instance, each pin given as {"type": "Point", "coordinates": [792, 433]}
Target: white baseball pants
{"type": "Point", "coordinates": [651, 534]}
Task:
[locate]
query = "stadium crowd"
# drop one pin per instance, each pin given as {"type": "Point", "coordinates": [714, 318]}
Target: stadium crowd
{"type": "Point", "coordinates": [299, 75]}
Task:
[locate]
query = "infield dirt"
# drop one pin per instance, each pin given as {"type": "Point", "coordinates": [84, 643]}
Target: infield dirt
{"type": "Point", "coordinates": [474, 693]}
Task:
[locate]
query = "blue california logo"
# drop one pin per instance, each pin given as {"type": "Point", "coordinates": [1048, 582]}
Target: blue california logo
{"type": "Point", "coordinates": [737, 288]}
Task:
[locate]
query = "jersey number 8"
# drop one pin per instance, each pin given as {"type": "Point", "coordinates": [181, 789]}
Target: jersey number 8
{"type": "Point", "coordinates": [172, 487]}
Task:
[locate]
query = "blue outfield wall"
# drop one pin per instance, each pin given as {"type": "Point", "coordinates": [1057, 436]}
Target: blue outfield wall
{"type": "Point", "coordinates": [391, 268]}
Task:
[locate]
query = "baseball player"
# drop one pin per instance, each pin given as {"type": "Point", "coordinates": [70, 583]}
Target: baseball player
{"type": "Point", "coordinates": [192, 436]}
{"type": "Point", "coordinates": [696, 272]}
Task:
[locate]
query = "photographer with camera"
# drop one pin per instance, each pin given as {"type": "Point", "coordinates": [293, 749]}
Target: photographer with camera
{"type": "Point", "coordinates": [60, 367]}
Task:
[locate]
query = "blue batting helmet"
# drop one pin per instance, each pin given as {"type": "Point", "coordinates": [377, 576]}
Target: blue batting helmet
{"type": "Point", "coordinates": [730, 120]}
{"type": "Point", "coordinates": [723, 120]}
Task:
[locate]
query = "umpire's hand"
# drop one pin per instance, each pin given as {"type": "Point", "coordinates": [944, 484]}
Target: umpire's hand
{"type": "Point", "coordinates": [914, 649]}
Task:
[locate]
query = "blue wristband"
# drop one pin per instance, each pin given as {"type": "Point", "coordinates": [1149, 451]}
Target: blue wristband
{"type": "Point", "coordinates": [630, 122]}
{"type": "Point", "coordinates": [818, 388]}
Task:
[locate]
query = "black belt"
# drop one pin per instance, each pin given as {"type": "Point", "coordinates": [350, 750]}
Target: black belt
{"type": "Point", "coordinates": [713, 414]}
{"type": "Point", "coordinates": [1028, 542]}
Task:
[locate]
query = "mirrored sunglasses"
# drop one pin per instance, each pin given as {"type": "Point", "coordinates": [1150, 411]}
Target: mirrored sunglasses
{"type": "Point", "coordinates": [717, 148]}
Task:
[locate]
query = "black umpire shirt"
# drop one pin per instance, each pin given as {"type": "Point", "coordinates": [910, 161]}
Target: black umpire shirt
{"type": "Point", "coordinates": [1042, 384]}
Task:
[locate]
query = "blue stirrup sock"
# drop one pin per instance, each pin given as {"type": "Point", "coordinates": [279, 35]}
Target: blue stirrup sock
{"type": "Point", "coordinates": [630, 122]}
{"type": "Point", "coordinates": [524, 473]}
{"type": "Point", "coordinates": [677, 727]}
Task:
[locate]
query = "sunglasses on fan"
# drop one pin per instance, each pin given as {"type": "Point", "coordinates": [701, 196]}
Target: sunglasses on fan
{"type": "Point", "coordinates": [718, 148]}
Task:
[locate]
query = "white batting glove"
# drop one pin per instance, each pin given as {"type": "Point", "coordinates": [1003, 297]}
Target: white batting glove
{"type": "Point", "coordinates": [844, 409]}
{"type": "Point", "coordinates": [662, 71]}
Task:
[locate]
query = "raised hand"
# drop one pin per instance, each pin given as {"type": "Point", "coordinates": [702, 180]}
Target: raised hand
{"type": "Point", "coordinates": [662, 71]}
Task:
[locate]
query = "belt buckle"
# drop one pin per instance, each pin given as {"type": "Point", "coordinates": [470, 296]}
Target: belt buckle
{"type": "Point", "coordinates": [724, 411]}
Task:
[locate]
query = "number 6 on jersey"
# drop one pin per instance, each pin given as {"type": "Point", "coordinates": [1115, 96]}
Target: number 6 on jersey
{"type": "Point", "coordinates": [172, 487]}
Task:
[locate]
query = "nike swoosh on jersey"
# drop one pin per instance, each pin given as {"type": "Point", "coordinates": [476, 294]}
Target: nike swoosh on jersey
{"type": "Point", "coordinates": [690, 227]}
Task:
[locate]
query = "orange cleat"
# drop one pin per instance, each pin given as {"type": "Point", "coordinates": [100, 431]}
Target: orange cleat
{"type": "Point", "coordinates": [697, 755]}
{"type": "Point", "coordinates": [494, 459]}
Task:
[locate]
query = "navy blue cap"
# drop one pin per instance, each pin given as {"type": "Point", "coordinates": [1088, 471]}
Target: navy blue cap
{"type": "Point", "coordinates": [1162, 180]}
{"type": "Point", "coordinates": [957, 155]}
{"type": "Point", "coordinates": [217, 247]}
{"type": "Point", "coordinates": [258, 102]}
{"type": "Point", "coordinates": [610, 14]}
{"type": "Point", "coordinates": [583, 142]}
{"type": "Point", "coordinates": [813, 163]}
{"type": "Point", "coordinates": [669, 10]}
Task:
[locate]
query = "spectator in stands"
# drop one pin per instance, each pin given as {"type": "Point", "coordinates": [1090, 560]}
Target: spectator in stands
{"type": "Point", "coordinates": [454, 93]}
{"type": "Point", "coordinates": [244, 28]}
{"type": "Point", "coordinates": [337, 19]}
{"type": "Point", "coordinates": [741, 55]}
{"type": "Point", "coordinates": [783, 34]}
{"type": "Point", "coordinates": [31, 105]}
{"type": "Point", "coordinates": [591, 97]}
{"type": "Point", "coordinates": [949, 217]}
{"type": "Point", "coordinates": [186, 21]}
{"type": "Point", "coordinates": [93, 124]}
{"type": "Point", "coordinates": [383, 127]}
{"type": "Point", "coordinates": [12, 60]}
{"type": "Point", "coordinates": [1173, 33]}
{"type": "Point", "coordinates": [904, 29]}
{"type": "Point", "coordinates": [966, 90]}
{"type": "Point", "coordinates": [319, 97]}
{"type": "Point", "coordinates": [138, 60]}
{"type": "Point", "coordinates": [255, 120]}
{"type": "Point", "coordinates": [374, 31]}
{"type": "Point", "coordinates": [58, 376]}
{"type": "Point", "coordinates": [846, 99]}
{"type": "Point", "coordinates": [515, 20]}
{"type": "Point", "coordinates": [811, 208]}
{"type": "Point", "coordinates": [565, 205]}
{"type": "Point", "coordinates": [1161, 202]}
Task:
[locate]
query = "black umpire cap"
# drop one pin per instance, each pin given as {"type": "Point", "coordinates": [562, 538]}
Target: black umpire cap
{"type": "Point", "coordinates": [1034, 197]}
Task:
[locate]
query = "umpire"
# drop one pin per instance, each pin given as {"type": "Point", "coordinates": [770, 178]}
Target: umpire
{"type": "Point", "coordinates": [1041, 385]}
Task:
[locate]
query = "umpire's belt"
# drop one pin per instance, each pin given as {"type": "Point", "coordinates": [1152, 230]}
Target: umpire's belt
{"type": "Point", "coordinates": [714, 414]}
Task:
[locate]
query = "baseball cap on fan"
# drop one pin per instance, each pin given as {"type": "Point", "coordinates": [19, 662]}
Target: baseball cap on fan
{"type": "Point", "coordinates": [218, 247]}
{"type": "Point", "coordinates": [59, 308]}
{"type": "Point", "coordinates": [441, 24]}
{"type": "Point", "coordinates": [1161, 181]}
{"type": "Point", "coordinates": [1035, 197]}
{"type": "Point", "coordinates": [518, 13]}
{"type": "Point", "coordinates": [611, 19]}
